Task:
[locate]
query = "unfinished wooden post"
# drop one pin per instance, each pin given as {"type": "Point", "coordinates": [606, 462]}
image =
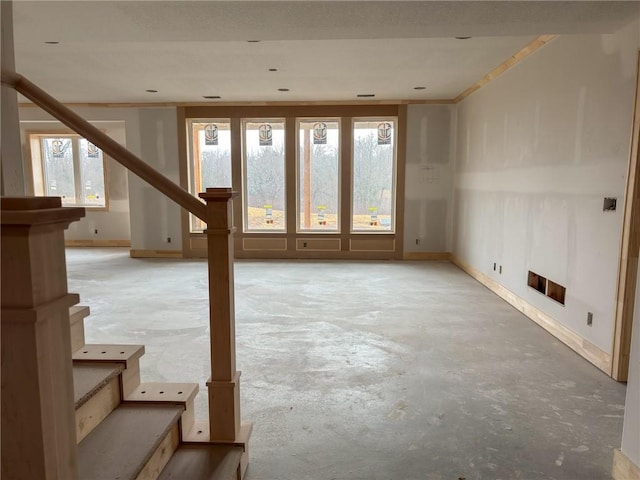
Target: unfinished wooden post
{"type": "Point", "coordinates": [224, 384]}
{"type": "Point", "coordinates": [38, 417]}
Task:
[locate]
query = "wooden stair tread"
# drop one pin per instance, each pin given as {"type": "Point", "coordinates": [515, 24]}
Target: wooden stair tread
{"type": "Point", "coordinates": [88, 379]}
{"type": "Point", "coordinates": [121, 445]}
{"type": "Point", "coordinates": [203, 462]}
{"type": "Point", "coordinates": [94, 352]}
{"type": "Point", "coordinates": [163, 392]}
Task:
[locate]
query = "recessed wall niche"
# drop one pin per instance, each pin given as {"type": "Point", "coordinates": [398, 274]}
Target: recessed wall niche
{"type": "Point", "coordinates": [551, 289]}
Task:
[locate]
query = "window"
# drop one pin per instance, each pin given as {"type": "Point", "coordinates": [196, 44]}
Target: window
{"type": "Point", "coordinates": [264, 175]}
{"type": "Point", "coordinates": [314, 181]}
{"type": "Point", "coordinates": [374, 167]}
{"type": "Point", "coordinates": [69, 167]}
{"type": "Point", "coordinates": [318, 175]}
{"type": "Point", "coordinates": [210, 159]}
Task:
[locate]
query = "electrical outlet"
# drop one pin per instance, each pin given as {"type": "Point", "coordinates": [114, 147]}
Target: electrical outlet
{"type": "Point", "coordinates": [417, 241]}
{"type": "Point", "coordinates": [168, 239]}
{"type": "Point", "coordinates": [95, 231]}
{"type": "Point", "coordinates": [304, 244]}
{"type": "Point", "coordinates": [589, 319]}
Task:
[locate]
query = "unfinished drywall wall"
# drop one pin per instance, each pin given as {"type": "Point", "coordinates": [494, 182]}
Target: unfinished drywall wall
{"type": "Point", "coordinates": [155, 219]}
{"type": "Point", "coordinates": [429, 179]}
{"type": "Point", "coordinates": [137, 211]}
{"type": "Point", "coordinates": [538, 149]}
{"type": "Point", "coordinates": [98, 225]}
{"type": "Point", "coordinates": [631, 428]}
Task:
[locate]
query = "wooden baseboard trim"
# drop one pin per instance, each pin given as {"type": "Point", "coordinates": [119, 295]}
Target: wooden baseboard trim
{"type": "Point", "coordinates": [97, 243]}
{"type": "Point", "coordinates": [155, 253]}
{"type": "Point", "coordinates": [577, 343]}
{"type": "Point", "coordinates": [623, 467]}
{"type": "Point", "coordinates": [426, 256]}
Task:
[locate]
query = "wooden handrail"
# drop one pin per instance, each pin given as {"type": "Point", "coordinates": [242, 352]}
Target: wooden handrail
{"type": "Point", "coordinates": [112, 148]}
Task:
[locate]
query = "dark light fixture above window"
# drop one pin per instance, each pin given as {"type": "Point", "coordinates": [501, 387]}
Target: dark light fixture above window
{"type": "Point", "coordinates": [283, 89]}
{"type": "Point", "coordinates": [212, 97]}
{"type": "Point", "coordinates": [273, 69]}
{"type": "Point", "coordinates": [463, 38]}
{"type": "Point", "coordinates": [366, 95]}
{"type": "Point", "coordinates": [419, 88]}
{"type": "Point", "coordinates": [51, 42]}
{"type": "Point", "coordinates": [253, 41]}
{"type": "Point", "coordinates": [151, 91]}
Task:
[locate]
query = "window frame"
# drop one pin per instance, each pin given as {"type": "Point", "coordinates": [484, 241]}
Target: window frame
{"type": "Point", "coordinates": [315, 231]}
{"type": "Point", "coordinates": [394, 176]}
{"type": "Point", "coordinates": [37, 171]}
{"type": "Point", "coordinates": [191, 163]}
{"type": "Point", "coordinates": [243, 149]}
{"type": "Point", "coordinates": [293, 244]}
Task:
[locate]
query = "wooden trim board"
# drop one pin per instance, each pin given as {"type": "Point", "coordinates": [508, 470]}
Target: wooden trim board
{"type": "Point", "coordinates": [161, 456]}
{"type": "Point", "coordinates": [577, 343]}
{"type": "Point", "coordinates": [426, 256]}
{"type": "Point", "coordinates": [90, 414]}
{"type": "Point", "coordinates": [623, 467]}
{"type": "Point", "coordinates": [134, 253]}
{"type": "Point", "coordinates": [312, 103]}
{"type": "Point", "coordinates": [629, 251]}
{"type": "Point", "coordinates": [506, 65]}
{"type": "Point", "coordinates": [97, 243]}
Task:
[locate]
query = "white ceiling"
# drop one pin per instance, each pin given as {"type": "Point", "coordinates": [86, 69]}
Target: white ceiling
{"type": "Point", "coordinates": [323, 51]}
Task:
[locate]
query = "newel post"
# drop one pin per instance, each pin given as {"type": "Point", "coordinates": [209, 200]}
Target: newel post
{"type": "Point", "coordinates": [38, 417]}
{"type": "Point", "coordinates": [224, 384]}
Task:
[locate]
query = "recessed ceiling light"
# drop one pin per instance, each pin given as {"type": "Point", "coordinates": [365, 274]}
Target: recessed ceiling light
{"type": "Point", "coordinates": [273, 69]}
{"type": "Point", "coordinates": [419, 88]}
{"type": "Point", "coordinates": [151, 91]}
{"type": "Point", "coordinates": [211, 97]}
{"type": "Point", "coordinates": [52, 43]}
{"type": "Point", "coordinates": [253, 41]}
{"type": "Point", "coordinates": [283, 89]}
{"type": "Point", "coordinates": [463, 38]}
{"type": "Point", "coordinates": [366, 95]}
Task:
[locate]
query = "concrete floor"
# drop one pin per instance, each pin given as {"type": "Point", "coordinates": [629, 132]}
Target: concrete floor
{"type": "Point", "coordinates": [367, 370]}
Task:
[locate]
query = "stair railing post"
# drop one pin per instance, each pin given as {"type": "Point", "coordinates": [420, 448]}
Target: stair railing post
{"type": "Point", "coordinates": [38, 417]}
{"type": "Point", "coordinates": [224, 384]}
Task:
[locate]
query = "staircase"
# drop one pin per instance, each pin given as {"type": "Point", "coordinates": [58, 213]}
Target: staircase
{"type": "Point", "coordinates": [128, 430]}
{"type": "Point", "coordinates": [76, 411]}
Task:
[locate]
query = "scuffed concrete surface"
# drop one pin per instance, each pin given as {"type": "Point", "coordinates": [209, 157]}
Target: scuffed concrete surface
{"type": "Point", "coordinates": [367, 370]}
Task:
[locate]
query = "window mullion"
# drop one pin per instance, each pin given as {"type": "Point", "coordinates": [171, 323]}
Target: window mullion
{"type": "Point", "coordinates": [78, 181]}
